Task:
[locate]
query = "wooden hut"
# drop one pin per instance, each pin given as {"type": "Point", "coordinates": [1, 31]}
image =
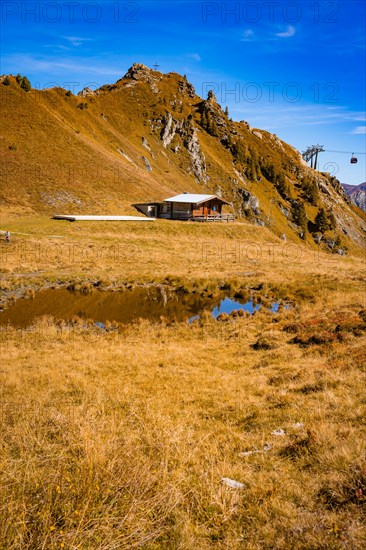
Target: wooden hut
{"type": "Point", "coordinates": [187, 206]}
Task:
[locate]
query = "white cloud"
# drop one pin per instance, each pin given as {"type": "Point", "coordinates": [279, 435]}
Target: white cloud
{"type": "Point", "coordinates": [196, 56]}
{"type": "Point", "coordinates": [307, 115]}
{"type": "Point", "coordinates": [359, 130]}
{"type": "Point", "coordinates": [247, 36]}
{"type": "Point", "coordinates": [288, 33]}
{"type": "Point", "coordinates": [78, 65]}
{"type": "Point", "coordinates": [75, 40]}
{"type": "Point", "coordinates": [248, 33]}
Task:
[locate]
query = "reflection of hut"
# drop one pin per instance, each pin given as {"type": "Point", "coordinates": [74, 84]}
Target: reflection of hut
{"type": "Point", "coordinates": [187, 206]}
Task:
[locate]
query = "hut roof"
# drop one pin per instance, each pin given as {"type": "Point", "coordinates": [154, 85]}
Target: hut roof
{"type": "Point", "coordinates": [193, 198]}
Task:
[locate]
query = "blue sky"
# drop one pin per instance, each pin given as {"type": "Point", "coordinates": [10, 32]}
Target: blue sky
{"type": "Point", "coordinates": [293, 68]}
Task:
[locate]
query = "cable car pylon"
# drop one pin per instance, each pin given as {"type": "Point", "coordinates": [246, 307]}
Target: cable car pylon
{"type": "Point", "coordinates": [311, 154]}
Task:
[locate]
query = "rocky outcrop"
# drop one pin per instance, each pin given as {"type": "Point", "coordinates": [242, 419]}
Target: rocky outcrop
{"type": "Point", "coordinates": [197, 157]}
{"type": "Point", "coordinates": [168, 132]}
{"type": "Point", "coordinates": [140, 72]}
{"type": "Point", "coordinates": [213, 109]}
{"type": "Point", "coordinates": [246, 124]}
{"type": "Point", "coordinates": [211, 97]}
{"type": "Point", "coordinates": [277, 141]}
{"type": "Point", "coordinates": [188, 134]}
{"type": "Point", "coordinates": [85, 92]}
{"type": "Point", "coordinates": [257, 134]}
{"type": "Point", "coordinates": [284, 210]}
{"type": "Point", "coordinates": [249, 201]}
{"type": "Point", "coordinates": [337, 186]}
{"type": "Point", "coordinates": [186, 88]}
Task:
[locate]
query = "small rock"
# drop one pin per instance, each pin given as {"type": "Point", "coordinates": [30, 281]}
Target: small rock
{"type": "Point", "coordinates": [124, 155]}
{"type": "Point", "coordinates": [330, 243]}
{"type": "Point", "coordinates": [147, 164]}
{"type": "Point", "coordinates": [266, 447]}
{"type": "Point", "coordinates": [284, 210]}
{"type": "Point", "coordinates": [147, 146]}
{"type": "Point", "coordinates": [232, 483]}
{"type": "Point", "coordinates": [279, 432]}
{"type": "Point", "coordinates": [249, 453]}
{"type": "Point", "coordinates": [145, 143]}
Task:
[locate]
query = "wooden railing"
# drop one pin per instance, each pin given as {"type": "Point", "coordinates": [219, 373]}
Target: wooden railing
{"type": "Point", "coordinates": [208, 218]}
{"type": "Point", "coordinates": [213, 218]}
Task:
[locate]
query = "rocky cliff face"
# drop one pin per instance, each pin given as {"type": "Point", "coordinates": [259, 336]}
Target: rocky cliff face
{"type": "Point", "coordinates": [186, 134]}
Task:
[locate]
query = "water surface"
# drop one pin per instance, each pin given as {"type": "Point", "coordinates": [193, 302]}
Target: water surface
{"type": "Point", "coordinates": [152, 303]}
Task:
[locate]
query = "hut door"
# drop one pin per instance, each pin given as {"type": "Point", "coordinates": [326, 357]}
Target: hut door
{"type": "Point", "coordinates": [152, 211]}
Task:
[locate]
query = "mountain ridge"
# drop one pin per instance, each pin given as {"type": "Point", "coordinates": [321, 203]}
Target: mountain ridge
{"type": "Point", "coordinates": [149, 136]}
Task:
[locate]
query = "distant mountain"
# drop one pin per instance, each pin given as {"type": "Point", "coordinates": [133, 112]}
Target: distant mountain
{"type": "Point", "coordinates": [357, 194]}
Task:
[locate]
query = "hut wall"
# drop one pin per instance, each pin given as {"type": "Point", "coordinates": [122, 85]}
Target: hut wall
{"type": "Point", "coordinates": [181, 210]}
{"type": "Point", "coordinates": [209, 208]}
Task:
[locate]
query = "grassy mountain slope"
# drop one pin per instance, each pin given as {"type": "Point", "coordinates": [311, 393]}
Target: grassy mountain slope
{"type": "Point", "coordinates": [149, 136]}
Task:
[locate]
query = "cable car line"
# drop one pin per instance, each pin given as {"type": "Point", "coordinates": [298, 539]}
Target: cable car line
{"type": "Point", "coordinates": [312, 152]}
{"type": "Point", "coordinates": [345, 152]}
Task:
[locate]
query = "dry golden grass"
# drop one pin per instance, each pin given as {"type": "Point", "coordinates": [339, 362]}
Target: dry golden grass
{"type": "Point", "coordinates": [121, 439]}
{"type": "Point", "coordinates": [140, 251]}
